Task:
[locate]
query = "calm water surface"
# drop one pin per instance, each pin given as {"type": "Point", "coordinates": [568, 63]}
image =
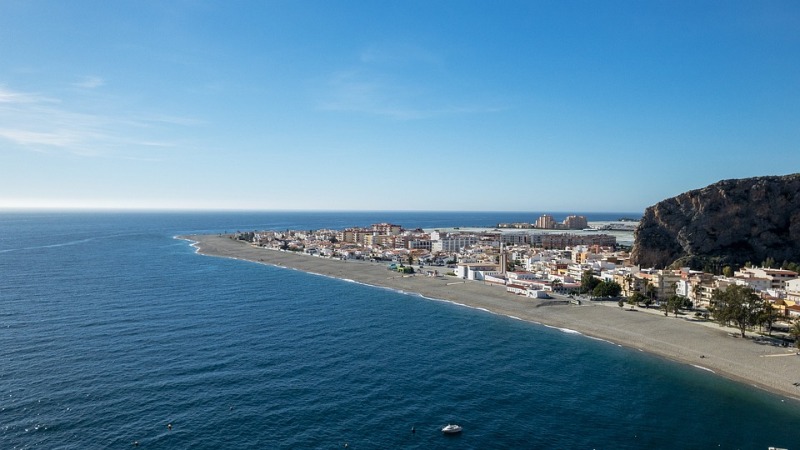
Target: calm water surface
{"type": "Point", "coordinates": [110, 329]}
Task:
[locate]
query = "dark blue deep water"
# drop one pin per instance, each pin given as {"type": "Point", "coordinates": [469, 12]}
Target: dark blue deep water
{"type": "Point", "coordinates": [110, 329]}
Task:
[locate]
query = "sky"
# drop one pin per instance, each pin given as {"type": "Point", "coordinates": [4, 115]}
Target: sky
{"type": "Point", "coordinates": [451, 105]}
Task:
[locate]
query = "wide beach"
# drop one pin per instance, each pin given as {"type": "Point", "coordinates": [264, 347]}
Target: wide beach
{"type": "Point", "coordinates": [703, 345]}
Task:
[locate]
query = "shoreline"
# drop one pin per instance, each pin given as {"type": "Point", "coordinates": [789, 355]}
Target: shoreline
{"type": "Point", "coordinates": [704, 347]}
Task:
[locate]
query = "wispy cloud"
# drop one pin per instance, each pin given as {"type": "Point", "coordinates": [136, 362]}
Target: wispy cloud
{"type": "Point", "coordinates": [8, 96]}
{"type": "Point", "coordinates": [172, 120]}
{"type": "Point", "coordinates": [44, 124]}
{"type": "Point", "coordinates": [369, 93]}
{"type": "Point", "coordinates": [90, 82]}
{"type": "Point", "coordinates": [26, 137]}
{"type": "Point", "coordinates": [397, 81]}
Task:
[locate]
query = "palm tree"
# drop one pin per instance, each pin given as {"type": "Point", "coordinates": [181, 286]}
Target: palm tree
{"type": "Point", "coordinates": [696, 291]}
{"type": "Point", "coordinates": [649, 294]}
{"type": "Point", "coordinates": [628, 284]}
{"type": "Point", "coordinates": [768, 317]}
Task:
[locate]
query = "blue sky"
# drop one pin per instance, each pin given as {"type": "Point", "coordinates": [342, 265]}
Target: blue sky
{"type": "Point", "coordinates": [392, 105]}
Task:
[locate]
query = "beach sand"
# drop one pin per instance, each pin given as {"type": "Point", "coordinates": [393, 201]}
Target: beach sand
{"type": "Point", "coordinates": [703, 345]}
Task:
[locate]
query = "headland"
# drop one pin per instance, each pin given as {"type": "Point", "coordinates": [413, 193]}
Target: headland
{"type": "Point", "coordinates": [706, 346]}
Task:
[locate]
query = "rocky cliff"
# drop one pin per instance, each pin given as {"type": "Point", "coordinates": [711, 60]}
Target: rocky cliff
{"type": "Point", "coordinates": [727, 223]}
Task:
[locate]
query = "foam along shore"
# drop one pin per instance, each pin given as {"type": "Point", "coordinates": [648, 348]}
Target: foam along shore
{"type": "Point", "coordinates": [709, 348]}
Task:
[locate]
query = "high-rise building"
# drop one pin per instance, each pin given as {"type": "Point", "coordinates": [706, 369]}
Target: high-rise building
{"type": "Point", "coordinates": [576, 223]}
{"type": "Point", "coordinates": [546, 222]}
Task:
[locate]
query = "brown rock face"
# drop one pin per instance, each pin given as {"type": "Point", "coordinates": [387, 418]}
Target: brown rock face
{"type": "Point", "coordinates": [727, 223]}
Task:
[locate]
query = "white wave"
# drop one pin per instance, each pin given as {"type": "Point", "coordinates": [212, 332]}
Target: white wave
{"type": "Point", "coordinates": [603, 340]}
{"type": "Point", "coordinates": [563, 330]}
{"type": "Point", "coordinates": [703, 368]}
{"type": "Point", "coordinates": [570, 331]}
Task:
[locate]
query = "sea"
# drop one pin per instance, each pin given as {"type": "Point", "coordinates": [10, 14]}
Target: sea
{"type": "Point", "coordinates": [115, 334]}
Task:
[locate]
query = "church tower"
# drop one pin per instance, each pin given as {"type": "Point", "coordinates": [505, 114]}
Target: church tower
{"type": "Point", "coordinates": [503, 260]}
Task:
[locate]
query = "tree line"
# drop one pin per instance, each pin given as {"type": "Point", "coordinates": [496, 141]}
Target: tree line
{"type": "Point", "coordinates": [599, 288]}
{"type": "Point", "coordinates": [738, 306]}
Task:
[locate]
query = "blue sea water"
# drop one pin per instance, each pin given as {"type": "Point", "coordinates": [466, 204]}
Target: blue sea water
{"type": "Point", "coordinates": [111, 329]}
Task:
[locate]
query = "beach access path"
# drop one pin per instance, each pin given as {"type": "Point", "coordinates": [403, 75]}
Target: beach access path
{"type": "Point", "coordinates": [710, 348]}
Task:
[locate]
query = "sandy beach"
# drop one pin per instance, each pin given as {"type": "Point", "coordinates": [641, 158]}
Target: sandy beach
{"type": "Point", "coordinates": [703, 345]}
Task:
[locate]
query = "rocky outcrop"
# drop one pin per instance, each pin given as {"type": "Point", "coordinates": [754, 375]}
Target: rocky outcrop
{"type": "Point", "coordinates": [727, 223]}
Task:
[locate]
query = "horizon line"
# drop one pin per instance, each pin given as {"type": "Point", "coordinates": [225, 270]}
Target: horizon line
{"type": "Point", "coordinates": [77, 209]}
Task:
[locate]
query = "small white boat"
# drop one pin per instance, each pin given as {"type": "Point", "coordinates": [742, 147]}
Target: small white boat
{"type": "Point", "coordinates": [451, 429]}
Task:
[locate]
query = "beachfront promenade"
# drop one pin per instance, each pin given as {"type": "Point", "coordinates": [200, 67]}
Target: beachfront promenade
{"type": "Point", "coordinates": [711, 347]}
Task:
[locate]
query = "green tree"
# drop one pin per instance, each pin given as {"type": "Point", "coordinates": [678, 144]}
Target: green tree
{"type": "Point", "coordinates": [737, 304]}
{"type": "Point", "coordinates": [635, 298]}
{"type": "Point", "coordinates": [607, 289]}
{"type": "Point", "coordinates": [727, 271]}
{"type": "Point", "coordinates": [675, 303]}
{"type": "Point", "coordinates": [614, 288]}
{"type": "Point", "coordinates": [795, 333]}
{"type": "Point", "coordinates": [650, 292]}
{"type": "Point", "coordinates": [588, 282]}
{"type": "Point", "coordinates": [510, 266]}
{"type": "Point", "coordinates": [620, 303]}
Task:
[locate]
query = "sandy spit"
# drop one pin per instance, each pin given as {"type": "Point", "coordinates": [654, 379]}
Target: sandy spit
{"type": "Point", "coordinates": [711, 348]}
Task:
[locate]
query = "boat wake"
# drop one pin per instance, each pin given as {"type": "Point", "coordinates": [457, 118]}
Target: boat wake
{"type": "Point", "coordinates": [60, 244]}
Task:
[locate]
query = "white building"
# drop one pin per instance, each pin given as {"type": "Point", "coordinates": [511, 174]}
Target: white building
{"type": "Point", "coordinates": [452, 243]}
{"type": "Point", "coordinates": [527, 276]}
{"type": "Point", "coordinates": [777, 277]}
{"type": "Point", "coordinates": [755, 283]}
{"type": "Point", "coordinates": [477, 271]}
{"type": "Point", "coordinates": [793, 290]}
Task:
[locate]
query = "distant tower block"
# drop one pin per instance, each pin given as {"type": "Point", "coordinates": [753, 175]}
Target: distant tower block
{"type": "Point", "coordinates": [576, 223]}
{"type": "Point", "coordinates": [546, 222]}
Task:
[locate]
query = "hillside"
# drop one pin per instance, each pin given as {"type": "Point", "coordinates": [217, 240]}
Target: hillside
{"type": "Point", "coordinates": [727, 223]}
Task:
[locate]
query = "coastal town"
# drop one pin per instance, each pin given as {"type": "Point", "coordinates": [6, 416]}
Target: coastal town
{"type": "Point", "coordinates": [543, 259]}
{"type": "Point", "coordinates": [578, 280]}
